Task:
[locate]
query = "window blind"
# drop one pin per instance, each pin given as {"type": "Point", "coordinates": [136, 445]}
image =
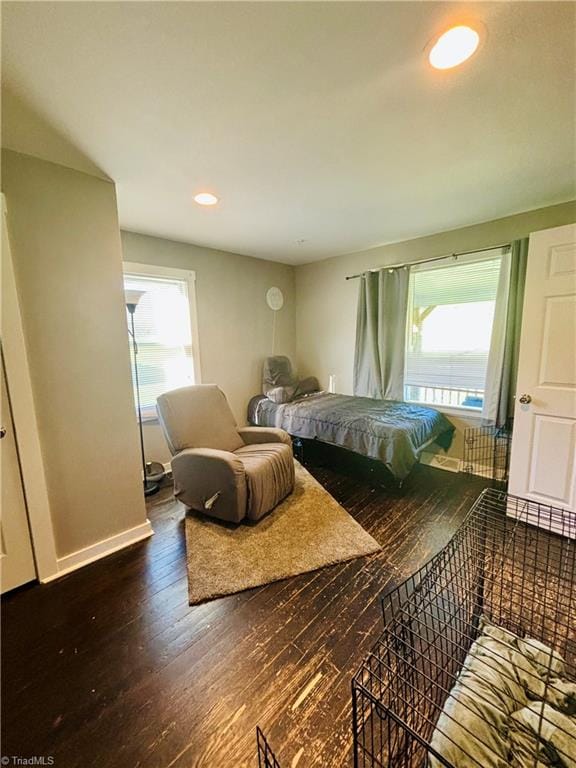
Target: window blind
{"type": "Point", "coordinates": [450, 317]}
{"type": "Point", "coordinates": [163, 335]}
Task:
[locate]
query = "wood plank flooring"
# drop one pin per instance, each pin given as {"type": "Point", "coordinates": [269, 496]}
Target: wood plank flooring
{"type": "Point", "coordinates": [111, 667]}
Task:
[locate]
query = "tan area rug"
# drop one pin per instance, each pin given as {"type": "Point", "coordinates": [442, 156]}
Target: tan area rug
{"type": "Point", "coordinates": [307, 531]}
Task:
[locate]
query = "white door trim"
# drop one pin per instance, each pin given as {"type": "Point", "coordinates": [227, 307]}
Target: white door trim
{"type": "Point", "coordinates": [24, 413]}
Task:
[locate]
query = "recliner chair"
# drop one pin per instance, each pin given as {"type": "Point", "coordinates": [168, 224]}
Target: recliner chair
{"type": "Point", "coordinates": [224, 471]}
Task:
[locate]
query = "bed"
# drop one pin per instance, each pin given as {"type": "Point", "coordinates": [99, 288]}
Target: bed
{"type": "Point", "coordinates": [392, 432]}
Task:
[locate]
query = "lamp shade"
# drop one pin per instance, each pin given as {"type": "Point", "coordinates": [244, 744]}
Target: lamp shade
{"type": "Point", "coordinates": [132, 298]}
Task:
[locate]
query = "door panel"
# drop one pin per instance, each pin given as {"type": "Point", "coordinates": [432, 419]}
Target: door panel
{"type": "Point", "coordinates": [557, 365]}
{"type": "Point", "coordinates": [552, 481]}
{"type": "Point", "coordinates": [17, 565]}
{"type": "Point", "coordinates": [543, 460]}
{"type": "Point", "coordinates": [16, 558]}
{"type": "Point", "coordinates": [562, 260]}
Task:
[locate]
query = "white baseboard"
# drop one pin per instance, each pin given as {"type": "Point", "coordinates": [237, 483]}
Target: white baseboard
{"type": "Point", "coordinates": [100, 549]}
{"type": "Point", "coordinates": [561, 522]}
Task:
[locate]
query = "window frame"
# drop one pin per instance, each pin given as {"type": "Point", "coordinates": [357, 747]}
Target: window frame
{"type": "Point", "coordinates": [136, 269]}
{"type": "Point", "coordinates": [489, 254]}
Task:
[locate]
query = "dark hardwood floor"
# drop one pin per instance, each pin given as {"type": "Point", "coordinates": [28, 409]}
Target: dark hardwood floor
{"type": "Point", "coordinates": [110, 666]}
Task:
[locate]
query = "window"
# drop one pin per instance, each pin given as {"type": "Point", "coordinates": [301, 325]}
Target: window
{"type": "Point", "coordinates": [165, 325]}
{"type": "Point", "coordinates": [450, 316]}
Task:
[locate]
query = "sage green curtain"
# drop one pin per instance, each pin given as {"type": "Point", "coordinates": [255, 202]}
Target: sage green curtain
{"type": "Point", "coordinates": [505, 342]}
{"type": "Point", "coordinates": [381, 334]}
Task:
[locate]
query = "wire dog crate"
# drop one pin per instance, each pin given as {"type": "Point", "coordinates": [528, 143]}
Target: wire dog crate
{"type": "Point", "coordinates": [487, 451]}
{"type": "Point", "coordinates": [266, 758]}
{"type": "Point", "coordinates": [513, 564]}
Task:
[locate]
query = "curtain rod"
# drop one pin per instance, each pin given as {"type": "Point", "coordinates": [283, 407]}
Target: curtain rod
{"type": "Point", "coordinates": [427, 261]}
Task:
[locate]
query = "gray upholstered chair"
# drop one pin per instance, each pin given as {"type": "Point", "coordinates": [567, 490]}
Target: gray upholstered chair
{"type": "Point", "coordinates": [279, 383]}
{"type": "Point", "coordinates": [219, 469]}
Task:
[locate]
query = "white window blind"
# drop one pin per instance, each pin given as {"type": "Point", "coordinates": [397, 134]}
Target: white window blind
{"type": "Point", "coordinates": [163, 335]}
{"type": "Point", "coordinates": [450, 317]}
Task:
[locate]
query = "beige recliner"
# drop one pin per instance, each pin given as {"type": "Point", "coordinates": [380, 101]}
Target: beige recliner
{"type": "Point", "coordinates": [219, 469]}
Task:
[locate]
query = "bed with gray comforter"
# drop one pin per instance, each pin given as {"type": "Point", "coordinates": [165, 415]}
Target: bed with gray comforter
{"type": "Point", "coordinates": [389, 431]}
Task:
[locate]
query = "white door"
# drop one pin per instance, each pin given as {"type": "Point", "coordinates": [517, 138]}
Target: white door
{"type": "Point", "coordinates": [543, 460]}
{"type": "Point", "coordinates": [17, 565]}
{"type": "Point", "coordinates": [16, 558]}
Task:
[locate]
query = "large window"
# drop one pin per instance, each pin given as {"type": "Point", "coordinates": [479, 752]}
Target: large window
{"type": "Point", "coordinates": [450, 316]}
{"type": "Point", "coordinates": [165, 331]}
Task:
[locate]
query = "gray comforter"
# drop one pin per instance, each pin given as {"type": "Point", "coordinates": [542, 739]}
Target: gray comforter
{"type": "Point", "coordinates": [393, 432]}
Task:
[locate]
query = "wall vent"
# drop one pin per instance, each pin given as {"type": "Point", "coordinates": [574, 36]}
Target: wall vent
{"type": "Point", "coordinates": [449, 463]}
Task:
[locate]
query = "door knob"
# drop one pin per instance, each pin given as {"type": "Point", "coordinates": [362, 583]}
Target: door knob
{"type": "Point", "coordinates": [524, 399]}
{"type": "Point", "coordinates": [2, 432]}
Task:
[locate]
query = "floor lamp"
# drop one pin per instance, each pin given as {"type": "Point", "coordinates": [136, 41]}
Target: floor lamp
{"type": "Point", "coordinates": [132, 299]}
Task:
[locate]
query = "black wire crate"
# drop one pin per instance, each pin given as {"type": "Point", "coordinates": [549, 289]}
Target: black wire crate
{"type": "Point", "coordinates": [504, 583]}
{"type": "Point", "coordinates": [266, 758]}
{"type": "Point", "coordinates": [486, 452]}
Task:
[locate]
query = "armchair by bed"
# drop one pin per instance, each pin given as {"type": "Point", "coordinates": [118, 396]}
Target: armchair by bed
{"type": "Point", "coordinates": [220, 469]}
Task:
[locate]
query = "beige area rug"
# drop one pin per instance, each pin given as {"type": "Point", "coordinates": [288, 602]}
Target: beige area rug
{"type": "Point", "coordinates": [307, 531]}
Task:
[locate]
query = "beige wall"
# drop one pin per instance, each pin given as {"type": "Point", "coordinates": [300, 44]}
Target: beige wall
{"type": "Point", "coordinates": [326, 301]}
{"type": "Point", "coordinates": [234, 321]}
{"type": "Point", "coordinates": [24, 130]}
{"type": "Point", "coordinates": [65, 242]}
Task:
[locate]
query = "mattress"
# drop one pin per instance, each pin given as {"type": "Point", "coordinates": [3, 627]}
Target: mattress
{"type": "Point", "coordinates": [390, 431]}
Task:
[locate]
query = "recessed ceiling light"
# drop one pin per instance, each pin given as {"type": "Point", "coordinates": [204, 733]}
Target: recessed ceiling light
{"type": "Point", "coordinates": [205, 198]}
{"type": "Point", "coordinates": [454, 47]}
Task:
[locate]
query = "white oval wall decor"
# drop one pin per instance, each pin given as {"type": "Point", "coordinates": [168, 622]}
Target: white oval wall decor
{"type": "Point", "coordinates": [275, 298]}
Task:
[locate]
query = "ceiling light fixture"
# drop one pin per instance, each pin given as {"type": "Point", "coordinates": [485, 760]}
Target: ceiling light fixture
{"type": "Point", "coordinates": [454, 47]}
{"type": "Point", "coordinates": [205, 198]}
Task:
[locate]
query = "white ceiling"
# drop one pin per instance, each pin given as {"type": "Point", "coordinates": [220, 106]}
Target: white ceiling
{"type": "Point", "coordinates": [312, 121]}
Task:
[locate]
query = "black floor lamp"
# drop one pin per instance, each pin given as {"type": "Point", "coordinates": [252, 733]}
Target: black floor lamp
{"type": "Point", "coordinates": [132, 299]}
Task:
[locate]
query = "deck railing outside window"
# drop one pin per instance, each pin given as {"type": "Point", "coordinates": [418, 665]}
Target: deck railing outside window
{"type": "Point", "coordinates": [438, 396]}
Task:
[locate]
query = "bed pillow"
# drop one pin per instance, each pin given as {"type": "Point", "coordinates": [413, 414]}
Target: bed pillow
{"type": "Point", "coordinates": [281, 394]}
{"type": "Point", "coordinates": [307, 386]}
{"type": "Point", "coordinates": [287, 394]}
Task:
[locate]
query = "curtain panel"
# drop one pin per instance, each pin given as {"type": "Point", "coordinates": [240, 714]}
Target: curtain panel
{"type": "Point", "coordinates": [502, 370]}
{"type": "Point", "coordinates": [381, 334]}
